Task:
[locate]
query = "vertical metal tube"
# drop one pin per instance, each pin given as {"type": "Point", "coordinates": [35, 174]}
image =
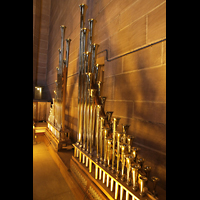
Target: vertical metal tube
{"type": "Point", "coordinates": [109, 141]}
{"type": "Point", "coordinates": [105, 131]}
{"type": "Point", "coordinates": [115, 124]}
{"type": "Point", "coordinates": [94, 48]}
{"type": "Point", "coordinates": [119, 135]}
{"type": "Point", "coordinates": [101, 139]}
{"type": "Point", "coordinates": [65, 73]}
{"type": "Point", "coordinates": [83, 46]}
{"type": "Point", "coordinates": [87, 162]}
{"type": "Point", "coordinates": [96, 172]}
{"type": "Point", "coordinates": [86, 102]}
{"type": "Point", "coordinates": [143, 179]}
{"type": "Point", "coordinates": [125, 131]}
{"type": "Point", "coordinates": [104, 177]}
{"type": "Point", "coordinates": [135, 176]}
{"type": "Point", "coordinates": [121, 192]}
{"type": "Point", "coordinates": [98, 108]}
{"type": "Point", "coordinates": [116, 189]}
{"type": "Point", "coordinates": [91, 29]}
{"type": "Point", "coordinates": [127, 195]}
{"type": "Point", "coordinates": [129, 142]}
{"type": "Point", "coordinates": [100, 173]}
{"type": "Point", "coordinates": [123, 149]}
{"type": "Point", "coordinates": [90, 165]}
{"type": "Point", "coordinates": [107, 182]}
{"type": "Point", "coordinates": [83, 8]}
{"type": "Point", "coordinates": [111, 184]}
{"type": "Point", "coordinates": [129, 160]}
{"type": "Point", "coordinates": [92, 93]}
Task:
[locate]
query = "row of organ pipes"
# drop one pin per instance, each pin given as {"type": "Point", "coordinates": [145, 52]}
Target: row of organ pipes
{"type": "Point", "coordinates": [97, 135]}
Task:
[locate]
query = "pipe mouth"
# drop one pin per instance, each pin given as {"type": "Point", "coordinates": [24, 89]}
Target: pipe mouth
{"type": "Point", "coordinates": [62, 26]}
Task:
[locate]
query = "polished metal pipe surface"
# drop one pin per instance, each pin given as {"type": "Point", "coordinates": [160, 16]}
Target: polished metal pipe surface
{"type": "Point", "coordinates": [134, 170]}
{"type": "Point", "coordinates": [119, 135]}
{"type": "Point", "coordinates": [124, 131]}
{"type": "Point", "coordinates": [94, 55]}
{"type": "Point", "coordinates": [116, 189]}
{"type": "Point", "coordinates": [109, 142]}
{"type": "Point", "coordinates": [83, 8]}
{"type": "Point", "coordinates": [123, 147]}
{"type": "Point", "coordinates": [101, 138]}
{"type": "Point", "coordinates": [115, 124]}
{"type": "Point", "coordinates": [91, 30]}
{"type": "Point", "coordinates": [129, 161]}
{"type": "Point", "coordinates": [143, 179]}
{"type": "Point", "coordinates": [89, 82]}
{"type": "Point", "coordinates": [98, 108]}
{"type": "Point", "coordinates": [105, 132]}
{"type": "Point", "coordinates": [92, 93]}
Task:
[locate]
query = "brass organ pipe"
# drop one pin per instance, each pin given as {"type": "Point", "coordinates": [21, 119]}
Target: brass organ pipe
{"type": "Point", "coordinates": [92, 95]}
{"type": "Point", "coordinates": [109, 142]}
{"type": "Point", "coordinates": [115, 124]}
{"type": "Point", "coordinates": [135, 176]}
{"type": "Point", "coordinates": [123, 150]}
{"type": "Point", "coordinates": [98, 108]}
{"type": "Point", "coordinates": [83, 8]}
{"type": "Point", "coordinates": [89, 82]}
{"type": "Point", "coordinates": [119, 135]}
{"type": "Point", "coordinates": [86, 100]}
{"type": "Point", "coordinates": [129, 160]}
{"type": "Point", "coordinates": [101, 139]}
{"type": "Point", "coordinates": [83, 95]}
{"type": "Point", "coordinates": [105, 131]}
{"type": "Point", "coordinates": [91, 29]}
{"type": "Point", "coordinates": [65, 73]}
{"type": "Point", "coordinates": [94, 48]}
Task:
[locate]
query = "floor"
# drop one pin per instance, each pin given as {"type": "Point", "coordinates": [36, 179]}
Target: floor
{"type": "Point", "coordinates": [48, 182]}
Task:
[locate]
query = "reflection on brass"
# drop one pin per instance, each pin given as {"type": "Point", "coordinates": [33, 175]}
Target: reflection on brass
{"type": "Point", "coordinates": [109, 142]}
{"type": "Point", "coordinates": [135, 176]}
{"type": "Point", "coordinates": [90, 36]}
{"type": "Point", "coordinates": [90, 166]}
{"type": "Point", "coordinates": [127, 195]}
{"type": "Point", "coordinates": [155, 180]}
{"type": "Point", "coordinates": [124, 131]}
{"type": "Point", "coordinates": [129, 142]}
{"type": "Point", "coordinates": [116, 189]}
{"type": "Point", "coordinates": [92, 93]}
{"type": "Point", "coordinates": [101, 139]}
{"type": "Point", "coordinates": [134, 152]}
{"type": "Point", "coordinates": [115, 124]}
{"type": "Point", "coordinates": [100, 173]}
{"type": "Point", "coordinates": [87, 161]}
{"type": "Point", "coordinates": [98, 108]}
{"type": "Point", "coordinates": [94, 48]}
{"type": "Point", "coordinates": [143, 179]}
{"type": "Point", "coordinates": [123, 151]}
{"type": "Point", "coordinates": [96, 172]}
{"type": "Point", "coordinates": [80, 156]}
{"type": "Point", "coordinates": [111, 184]}
{"type": "Point", "coordinates": [105, 131]}
{"type": "Point", "coordinates": [121, 192]}
{"type": "Point", "coordinates": [119, 135]}
{"type": "Point", "coordinates": [83, 160]}
{"type": "Point", "coordinates": [129, 160]}
{"type": "Point", "coordinates": [104, 177]}
{"type": "Point", "coordinates": [107, 182]}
